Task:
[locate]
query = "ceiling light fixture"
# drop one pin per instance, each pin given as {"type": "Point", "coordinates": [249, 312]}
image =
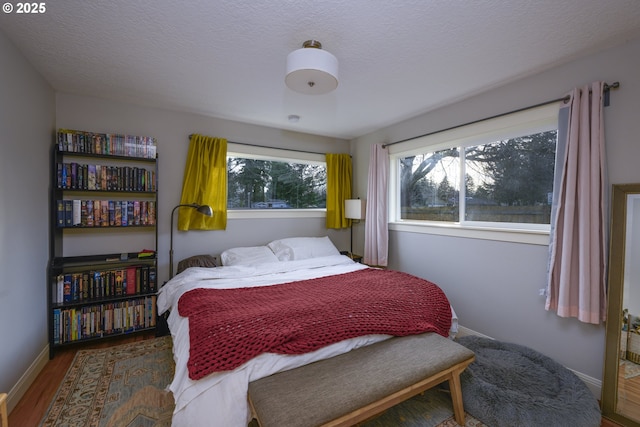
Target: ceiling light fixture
{"type": "Point", "coordinates": [311, 70]}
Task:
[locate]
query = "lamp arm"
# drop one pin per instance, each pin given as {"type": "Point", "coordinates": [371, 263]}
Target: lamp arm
{"type": "Point", "coordinates": [187, 205]}
{"type": "Point", "coordinates": [191, 205]}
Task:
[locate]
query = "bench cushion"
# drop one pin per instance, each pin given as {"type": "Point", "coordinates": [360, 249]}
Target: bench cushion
{"type": "Point", "coordinates": [328, 389]}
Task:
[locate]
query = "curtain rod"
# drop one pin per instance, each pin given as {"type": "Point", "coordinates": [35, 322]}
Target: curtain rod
{"type": "Point", "coordinates": [275, 148]}
{"type": "Point", "coordinates": [565, 99]}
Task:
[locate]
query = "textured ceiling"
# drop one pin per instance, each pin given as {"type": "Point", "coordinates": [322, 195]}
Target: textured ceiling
{"type": "Point", "coordinates": [397, 58]}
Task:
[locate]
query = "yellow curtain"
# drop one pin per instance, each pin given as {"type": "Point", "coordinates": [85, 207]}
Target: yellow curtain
{"type": "Point", "coordinates": [338, 189]}
{"type": "Point", "coordinates": [205, 183]}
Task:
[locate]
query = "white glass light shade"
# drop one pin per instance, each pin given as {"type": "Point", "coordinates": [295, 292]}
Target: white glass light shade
{"type": "Point", "coordinates": [354, 208]}
{"type": "Point", "coordinates": [312, 71]}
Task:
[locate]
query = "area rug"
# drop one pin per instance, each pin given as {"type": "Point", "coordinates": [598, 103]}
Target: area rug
{"type": "Point", "coordinates": [433, 408]}
{"type": "Point", "coordinates": [125, 386]}
{"type": "Point", "coordinates": [629, 369]}
{"type": "Point", "coordinates": [513, 385]}
{"type": "Point", "coordinates": [117, 386]}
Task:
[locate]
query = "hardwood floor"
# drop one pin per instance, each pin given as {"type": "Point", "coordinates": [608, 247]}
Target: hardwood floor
{"type": "Point", "coordinates": [33, 405]}
{"type": "Point", "coordinates": [628, 395]}
{"type": "Point", "coordinates": [35, 402]}
{"type": "Point", "coordinates": [608, 423]}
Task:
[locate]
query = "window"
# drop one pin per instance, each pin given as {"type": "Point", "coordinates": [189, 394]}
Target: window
{"type": "Point", "coordinates": [256, 181]}
{"type": "Point", "coordinates": [497, 174]}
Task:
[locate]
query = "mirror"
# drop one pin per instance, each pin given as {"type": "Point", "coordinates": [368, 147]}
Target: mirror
{"type": "Point", "coordinates": [621, 383]}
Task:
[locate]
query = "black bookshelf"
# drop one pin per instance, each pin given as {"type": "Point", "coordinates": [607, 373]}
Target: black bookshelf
{"type": "Point", "coordinates": [95, 295]}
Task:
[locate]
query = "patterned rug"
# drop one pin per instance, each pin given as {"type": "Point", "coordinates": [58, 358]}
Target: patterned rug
{"type": "Point", "coordinates": [124, 386]}
{"type": "Point", "coordinates": [433, 408]}
{"type": "Point", "coordinates": [117, 386]}
{"type": "Point", "coordinates": [629, 369]}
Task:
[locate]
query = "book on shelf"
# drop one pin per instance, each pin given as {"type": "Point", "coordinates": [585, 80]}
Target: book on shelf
{"type": "Point", "coordinates": [99, 184]}
{"type": "Point", "coordinates": [105, 213]}
{"type": "Point", "coordinates": [85, 286]}
{"type": "Point", "coordinates": [76, 211]}
{"type": "Point", "coordinates": [104, 217]}
{"type": "Point", "coordinates": [56, 326]}
{"type": "Point", "coordinates": [78, 323]}
{"type": "Point", "coordinates": [66, 292]}
{"type": "Point", "coordinates": [68, 213]}
{"type": "Point", "coordinates": [130, 219]}
{"type": "Point", "coordinates": [136, 212]}
{"type": "Point", "coordinates": [97, 213]}
{"type": "Point", "coordinates": [60, 213]}
{"type": "Point", "coordinates": [119, 275]}
{"type": "Point", "coordinates": [74, 175]}
{"type": "Point", "coordinates": [83, 213]}
{"type": "Point", "coordinates": [153, 284]}
{"type": "Point", "coordinates": [89, 218]}
{"type": "Point", "coordinates": [80, 176]}
{"type": "Point", "coordinates": [131, 280]}
{"type": "Point", "coordinates": [108, 144]}
{"type": "Point", "coordinates": [123, 212]}
{"type": "Point", "coordinates": [138, 288]}
{"type": "Point", "coordinates": [91, 177]}
{"type": "Point", "coordinates": [150, 208]}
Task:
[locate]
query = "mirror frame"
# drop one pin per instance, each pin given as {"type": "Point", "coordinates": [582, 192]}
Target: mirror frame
{"type": "Point", "coordinates": [614, 306]}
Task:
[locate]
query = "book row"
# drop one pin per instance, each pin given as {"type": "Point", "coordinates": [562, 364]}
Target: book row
{"type": "Point", "coordinates": [103, 319]}
{"type": "Point", "coordinates": [95, 284]}
{"type": "Point", "coordinates": [105, 213]}
{"type": "Point", "coordinates": [78, 176]}
{"type": "Point", "coordinates": [106, 143]}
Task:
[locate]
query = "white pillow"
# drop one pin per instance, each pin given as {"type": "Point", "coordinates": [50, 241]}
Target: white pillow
{"type": "Point", "coordinates": [295, 248]}
{"type": "Point", "coordinates": [247, 256]}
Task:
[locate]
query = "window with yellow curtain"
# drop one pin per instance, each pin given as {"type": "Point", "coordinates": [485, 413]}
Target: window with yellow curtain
{"type": "Point", "coordinates": [205, 183]}
{"type": "Point", "coordinates": [339, 172]}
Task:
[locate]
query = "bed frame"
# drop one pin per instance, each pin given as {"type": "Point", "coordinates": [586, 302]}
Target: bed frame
{"type": "Point", "coordinates": [355, 386]}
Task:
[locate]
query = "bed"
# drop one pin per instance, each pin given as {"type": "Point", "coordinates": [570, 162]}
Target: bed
{"type": "Point", "coordinates": [212, 390]}
{"type": "Point", "coordinates": [630, 337]}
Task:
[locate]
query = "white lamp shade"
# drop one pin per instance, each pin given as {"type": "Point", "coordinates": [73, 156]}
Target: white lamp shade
{"type": "Point", "coordinates": [312, 71]}
{"type": "Point", "coordinates": [354, 208]}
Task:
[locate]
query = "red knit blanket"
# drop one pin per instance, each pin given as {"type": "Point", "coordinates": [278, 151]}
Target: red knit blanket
{"type": "Point", "coordinates": [228, 327]}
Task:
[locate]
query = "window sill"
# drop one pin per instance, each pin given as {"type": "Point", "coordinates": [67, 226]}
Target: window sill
{"type": "Point", "coordinates": [275, 213]}
{"type": "Point", "coordinates": [531, 237]}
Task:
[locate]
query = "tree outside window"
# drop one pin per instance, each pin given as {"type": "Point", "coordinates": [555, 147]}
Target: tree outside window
{"type": "Point", "coordinates": [273, 184]}
{"type": "Point", "coordinates": [505, 181]}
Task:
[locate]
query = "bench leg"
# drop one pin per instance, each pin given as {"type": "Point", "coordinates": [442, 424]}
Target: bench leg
{"type": "Point", "coordinates": [3, 410]}
{"type": "Point", "coordinates": [253, 411]}
{"type": "Point", "coordinates": [456, 397]}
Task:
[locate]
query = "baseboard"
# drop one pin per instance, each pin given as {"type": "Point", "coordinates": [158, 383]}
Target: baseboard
{"type": "Point", "coordinates": [594, 384]}
{"type": "Point", "coordinates": [462, 331]}
{"type": "Point", "coordinates": [20, 388]}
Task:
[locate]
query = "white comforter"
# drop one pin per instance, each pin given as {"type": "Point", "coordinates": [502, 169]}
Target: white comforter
{"type": "Point", "coordinates": [220, 399]}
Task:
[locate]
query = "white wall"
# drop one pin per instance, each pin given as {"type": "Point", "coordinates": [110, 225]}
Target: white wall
{"type": "Point", "coordinates": [27, 125]}
{"type": "Point", "coordinates": [172, 130]}
{"type": "Point", "coordinates": [493, 285]}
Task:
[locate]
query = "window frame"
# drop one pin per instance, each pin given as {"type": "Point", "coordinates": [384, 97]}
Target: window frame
{"type": "Point", "coordinates": [526, 122]}
{"type": "Point", "coordinates": [276, 155]}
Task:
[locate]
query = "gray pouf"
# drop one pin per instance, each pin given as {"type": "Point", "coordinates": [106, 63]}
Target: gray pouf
{"type": "Point", "coordinates": [512, 385]}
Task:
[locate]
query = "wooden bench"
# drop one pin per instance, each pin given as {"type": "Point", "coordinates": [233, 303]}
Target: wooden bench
{"type": "Point", "coordinates": [4, 420]}
{"type": "Point", "coordinates": [353, 387]}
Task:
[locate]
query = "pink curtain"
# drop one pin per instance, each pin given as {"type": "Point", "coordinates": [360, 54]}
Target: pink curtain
{"type": "Point", "coordinates": [578, 247]}
{"type": "Point", "coordinates": [376, 235]}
